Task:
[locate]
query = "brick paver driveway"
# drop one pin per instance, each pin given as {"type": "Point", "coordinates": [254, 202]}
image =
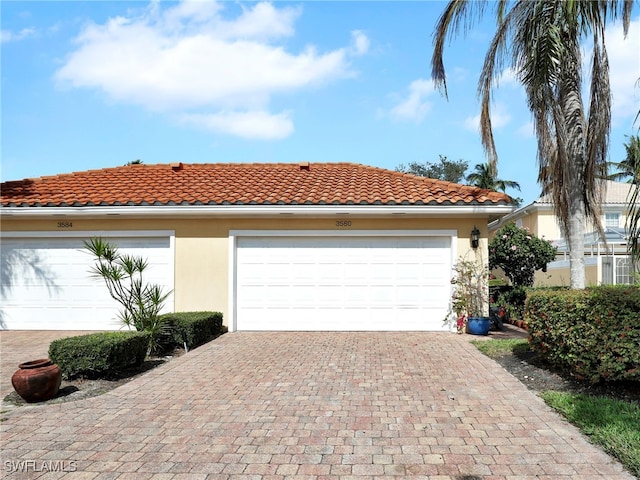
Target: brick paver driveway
{"type": "Point", "coordinates": [308, 405]}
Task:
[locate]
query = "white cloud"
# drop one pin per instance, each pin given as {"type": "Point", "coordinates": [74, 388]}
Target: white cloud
{"type": "Point", "coordinates": [459, 74]}
{"type": "Point", "coordinates": [499, 118]}
{"type": "Point", "coordinates": [9, 36]}
{"type": "Point", "coordinates": [624, 69]}
{"type": "Point", "coordinates": [190, 57]}
{"type": "Point", "coordinates": [526, 130]}
{"type": "Point", "coordinates": [360, 42]}
{"type": "Point", "coordinates": [250, 124]}
{"type": "Point", "coordinates": [508, 77]}
{"type": "Point", "coordinates": [414, 106]}
{"type": "Point", "coordinates": [472, 123]}
{"type": "Point", "coordinates": [262, 22]}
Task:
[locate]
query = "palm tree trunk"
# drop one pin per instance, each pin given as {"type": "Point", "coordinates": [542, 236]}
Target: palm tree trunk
{"type": "Point", "coordinates": [573, 161]}
{"type": "Point", "coordinates": [576, 230]}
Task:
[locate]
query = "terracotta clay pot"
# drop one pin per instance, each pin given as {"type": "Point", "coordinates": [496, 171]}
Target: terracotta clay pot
{"type": "Point", "coordinates": [37, 380]}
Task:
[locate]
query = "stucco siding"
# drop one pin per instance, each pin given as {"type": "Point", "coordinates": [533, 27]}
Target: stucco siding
{"type": "Point", "coordinates": [560, 275]}
{"type": "Point", "coordinates": [201, 274]}
{"type": "Point", "coordinates": [547, 226]}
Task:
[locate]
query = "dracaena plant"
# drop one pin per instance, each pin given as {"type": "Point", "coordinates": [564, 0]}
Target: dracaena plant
{"type": "Point", "coordinates": [141, 302]}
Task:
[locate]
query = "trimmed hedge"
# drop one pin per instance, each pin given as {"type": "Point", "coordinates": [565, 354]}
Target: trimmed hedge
{"type": "Point", "coordinates": [99, 354]}
{"type": "Point", "coordinates": [592, 333]}
{"type": "Point", "coordinates": [192, 328]}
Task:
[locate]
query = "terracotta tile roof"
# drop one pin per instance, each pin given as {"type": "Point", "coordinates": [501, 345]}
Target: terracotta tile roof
{"type": "Point", "coordinates": [241, 184]}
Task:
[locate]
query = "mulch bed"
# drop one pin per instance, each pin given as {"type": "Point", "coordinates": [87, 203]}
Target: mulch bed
{"type": "Point", "coordinates": [79, 388]}
{"type": "Point", "coordinates": [539, 376]}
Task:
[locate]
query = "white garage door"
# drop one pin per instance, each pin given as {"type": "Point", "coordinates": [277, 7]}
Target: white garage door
{"type": "Point", "coordinates": [45, 282]}
{"type": "Point", "coordinates": [342, 283]}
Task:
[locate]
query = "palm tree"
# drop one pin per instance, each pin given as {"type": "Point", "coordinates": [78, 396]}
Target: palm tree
{"type": "Point", "coordinates": [483, 177]}
{"type": "Point", "coordinates": [628, 168]}
{"type": "Point", "coordinates": [541, 42]}
{"type": "Point", "coordinates": [633, 220]}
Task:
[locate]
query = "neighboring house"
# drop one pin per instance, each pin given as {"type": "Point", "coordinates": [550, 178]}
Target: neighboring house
{"type": "Point", "coordinates": [605, 262]}
{"type": "Point", "coordinates": [309, 246]}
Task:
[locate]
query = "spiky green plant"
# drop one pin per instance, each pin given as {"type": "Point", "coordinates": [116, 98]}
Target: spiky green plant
{"type": "Point", "coordinates": [123, 275]}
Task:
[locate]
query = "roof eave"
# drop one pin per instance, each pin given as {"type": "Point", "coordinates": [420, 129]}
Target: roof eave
{"type": "Point", "coordinates": [256, 210]}
{"type": "Point", "coordinates": [533, 207]}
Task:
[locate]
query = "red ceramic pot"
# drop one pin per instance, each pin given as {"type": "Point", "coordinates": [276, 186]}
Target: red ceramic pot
{"type": "Point", "coordinates": [38, 380]}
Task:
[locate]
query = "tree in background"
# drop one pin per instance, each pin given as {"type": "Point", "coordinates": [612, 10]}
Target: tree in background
{"type": "Point", "coordinates": [484, 177]}
{"type": "Point", "coordinates": [443, 169]}
{"type": "Point", "coordinates": [629, 168]}
{"type": "Point", "coordinates": [519, 254]}
{"type": "Point", "coordinates": [542, 42]}
{"type": "Point", "coordinates": [633, 220]}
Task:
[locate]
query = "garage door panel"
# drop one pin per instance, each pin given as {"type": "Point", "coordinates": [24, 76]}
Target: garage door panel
{"type": "Point", "coordinates": [329, 271]}
{"type": "Point", "coordinates": [47, 284]}
{"type": "Point", "coordinates": [87, 295]}
{"type": "Point", "coordinates": [382, 272]}
{"type": "Point", "coordinates": [298, 271]}
{"type": "Point", "coordinates": [354, 294]}
{"type": "Point", "coordinates": [278, 294]}
{"type": "Point", "coordinates": [329, 293]}
{"type": "Point", "coordinates": [61, 317]}
{"type": "Point", "coordinates": [304, 294]}
{"type": "Point", "coordinates": [343, 283]}
{"type": "Point", "coordinates": [382, 294]}
{"type": "Point", "coordinates": [356, 271]}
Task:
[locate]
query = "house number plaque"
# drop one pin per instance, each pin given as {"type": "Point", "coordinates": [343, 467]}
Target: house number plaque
{"type": "Point", "coordinates": [343, 223]}
{"type": "Point", "coordinates": [65, 225]}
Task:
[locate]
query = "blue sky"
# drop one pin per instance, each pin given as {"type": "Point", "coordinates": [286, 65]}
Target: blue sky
{"type": "Point", "coordinates": [88, 85]}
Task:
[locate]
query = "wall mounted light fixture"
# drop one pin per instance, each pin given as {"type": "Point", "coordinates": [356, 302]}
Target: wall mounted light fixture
{"type": "Point", "coordinates": [475, 237]}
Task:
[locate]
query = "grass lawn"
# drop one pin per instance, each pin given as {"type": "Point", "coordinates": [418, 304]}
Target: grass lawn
{"type": "Point", "coordinates": [612, 424]}
{"type": "Point", "coordinates": [497, 348]}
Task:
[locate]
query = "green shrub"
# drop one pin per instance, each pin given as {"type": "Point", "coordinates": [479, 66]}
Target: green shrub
{"type": "Point", "coordinates": [513, 299]}
{"type": "Point", "coordinates": [192, 328]}
{"type": "Point", "coordinates": [593, 333]}
{"type": "Point", "coordinates": [99, 354]}
{"type": "Point", "coordinates": [519, 253]}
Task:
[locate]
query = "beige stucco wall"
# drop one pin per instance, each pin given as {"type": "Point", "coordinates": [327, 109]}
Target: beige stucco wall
{"type": "Point", "coordinates": [202, 244]}
{"type": "Point", "coordinates": [546, 225]}
{"type": "Point", "coordinates": [562, 277]}
{"type": "Point", "coordinates": [552, 277]}
{"type": "Point", "coordinates": [539, 221]}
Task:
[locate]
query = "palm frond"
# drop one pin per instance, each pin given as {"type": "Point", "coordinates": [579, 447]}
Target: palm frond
{"type": "Point", "coordinates": [457, 14]}
{"type": "Point", "coordinates": [541, 40]}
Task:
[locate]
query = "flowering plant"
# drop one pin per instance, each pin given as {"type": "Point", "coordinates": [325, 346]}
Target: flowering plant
{"type": "Point", "coordinates": [519, 253]}
{"type": "Point", "coordinates": [469, 292]}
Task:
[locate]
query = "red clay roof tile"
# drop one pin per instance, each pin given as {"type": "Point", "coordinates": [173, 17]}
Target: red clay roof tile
{"type": "Point", "coordinates": [241, 184]}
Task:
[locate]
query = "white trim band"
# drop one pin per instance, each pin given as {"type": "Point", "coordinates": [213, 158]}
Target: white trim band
{"type": "Point", "coordinates": [255, 210]}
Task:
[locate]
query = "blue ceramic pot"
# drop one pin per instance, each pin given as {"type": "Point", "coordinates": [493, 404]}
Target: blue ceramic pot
{"type": "Point", "coordinates": [478, 325]}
